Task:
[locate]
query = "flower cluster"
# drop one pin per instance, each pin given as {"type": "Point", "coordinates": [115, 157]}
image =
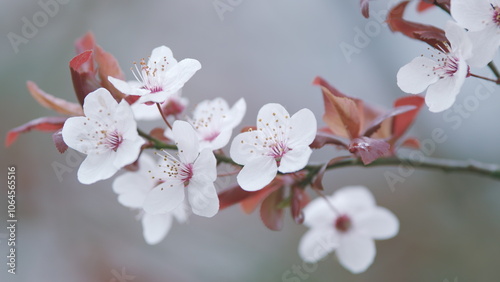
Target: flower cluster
{"type": "Point", "coordinates": [471, 41]}
{"type": "Point", "coordinates": [270, 158]}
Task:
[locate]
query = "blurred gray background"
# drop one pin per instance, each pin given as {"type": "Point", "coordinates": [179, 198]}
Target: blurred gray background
{"type": "Point", "coordinates": [265, 51]}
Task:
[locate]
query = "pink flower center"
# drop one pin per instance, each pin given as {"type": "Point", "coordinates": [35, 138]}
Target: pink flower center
{"type": "Point", "coordinates": [496, 14]}
{"type": "Point", "coordinates": [186, 173]}
{"type": "Point", "coordinates": [278, 150]}
{"type": "Point", "coordinates": [150, 77]}
{"type": "Point", "coordinates": [448, 66]}
{"type": "Point", "coordinates": [343, 223]}
{"type": "Point", "coordinates": [113, 140]}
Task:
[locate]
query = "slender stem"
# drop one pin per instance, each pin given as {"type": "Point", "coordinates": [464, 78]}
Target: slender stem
{"type": "Point", "coordinates": [327, 201]}
{"type": "Point", "coordinates": [485, 78]}
{"type": "Point", "coordinates": [163, 115]}
{"type": "Point", "coordinates": [474, 167]}
{"type": "Point", "coordinates": [488, 170]}
{"type": "Point", "coordinates": [157, 144]}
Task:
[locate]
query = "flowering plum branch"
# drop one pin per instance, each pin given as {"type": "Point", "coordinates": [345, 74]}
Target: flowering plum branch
{"type": "Point", "coordinates": [271, 157]}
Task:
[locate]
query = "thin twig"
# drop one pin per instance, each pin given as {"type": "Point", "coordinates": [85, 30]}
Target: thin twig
{"type": "Point", "coordinates": [163, 115]}
{"type": "Point", "coordinates": [485, 78]}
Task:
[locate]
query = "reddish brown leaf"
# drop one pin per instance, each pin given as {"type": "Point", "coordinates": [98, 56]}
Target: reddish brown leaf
{"type": "Point", "coordinates": [393, 113]}
{"type": "Point", "coordinates": [108, 66]}
{"type": "Point", "coordinates": [369, 149]}
{"type": "Point", "coordinates": [271, 215]}
{"type": "Point", "coordinates": [323, 139]}
{"type": "Point", "coordinates": [402, 122]}
{"type": "Point", "coordinates": [248, 128]}
{"type": "Point", "coordinates": [342, 114]}
{"type": "Point", "coordinates": [251, 203]}
{"type": "Point", "coordinates": [57, 104]}
{"type": "Point", "coordinates": [44, 124]}
{"type": "Point", "coordinates": [365, 11]}
{"type": "Point", "coordinates": [232, 196]}
{"type": "Point", "coordinates": [84, 80]}
{"type": "Point", "coordinates": [412, 143]}
{"type": "Point", "coordinates": [133, 166]}
{"type": "Point", "coordinates": [423, 6]}
{"type": "Point", "coordinates": [84, 43]}
{"type": "Point", "coordinates": [158, 133]}
{"type": "Point", "coordinates": [431, 35]}
{"type": "Point", "coordinates": [59, 142]}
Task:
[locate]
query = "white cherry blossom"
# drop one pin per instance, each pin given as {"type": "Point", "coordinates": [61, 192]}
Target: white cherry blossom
{"type": "Point", "coordinates": [347, 223]}
{"type": "Point", "coordinates": [192, 173]}
{"type": "Point", "coordinates": [214, 122]}
{"type": "Point", "coordinates": [160, 78]}
{"type": "Point", "coordinates": [132, 188]}
{"type": "Point", "coordinates": [442, 78]}
{"type": "Point", "coordinates": [482, 19]}
{"type": "Point", "coordinates": [107, 134]}
{"type": "Point", "coordinates": [280, 143]}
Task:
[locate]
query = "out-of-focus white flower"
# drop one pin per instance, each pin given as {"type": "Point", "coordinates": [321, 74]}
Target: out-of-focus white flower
{"type": "Point", "coordinates": [132, 188]}
{"type": "Point", "coordinates": [348, 223]}
{"type": "Point", "coordinates": [443, 78]}
{"type": "Point", "coordinates": [107, 134]}
{"type": "Point", "coordinates": [160, 78]}
{"type": "Point", "coordinates": [482, 19]}
{"type": "Point", "coordinates": [280, 143]}
{"type": "Point", "coordinates": [214, 122]}
{"type": "Point", "coordinates": [193, 172]}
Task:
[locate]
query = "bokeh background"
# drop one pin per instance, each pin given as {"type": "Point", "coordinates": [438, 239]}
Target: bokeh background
{"type": "Point", "coordinates": [265, 51]}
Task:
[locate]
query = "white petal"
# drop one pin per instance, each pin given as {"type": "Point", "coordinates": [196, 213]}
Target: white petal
{"type": "Point", "coordinates": [219, 142]}
{"type": "Point", "coordinates": [257, 173]}
{"type": "Point", "coordinates": [441, 95]}
{"type": "Point", "coordinates": [417, 75]}
{"type": "Point", "coordinates": [317, 243]}
{"type": "Point", "coordinates": [236, 113]}
{"type": "Point", "coordinates": [161, 55]}
{"type": "Point", "coordinates": [353, 199]}
{"type": "Point", "coordinates": [459, 40]}
{"type": "Point", "coordinates": [164, 197]}
{"type": "Point", "coordinates": [473, 15]}
{"type": "Point", "coordinates": [485, 46]}
{"type": "Point", "coordinates": [295, 159]}
{"type": "Point", "coordinates": [179, 74]}
{"type": "Point", "coordinates": [181, 212]}
{"type": "Point", "coordinates": [155, 227]}
{"type": "Point", "coordinates": [356, 252]}
{"type": "Point", "coordinates": [145, 112]}
{"type": "Point", "coordinates": [269, 113]}
{"type": "Point", "coordinates": [76, 132]}
{"type": "Point", "coordinates": [132, 187]}
{"type": "Point", "coordinates": [206, 165]}
{"type": "Point", "coordinates": [186, 140]}
{"type": "Point", "coordinates": [243, 149]}
{"type": "Point", "coordinates": [379, 223]}
{"type": "Point", "coordinates": [129, 187]}
{"type": "Point", "coordinates": [319, 213]}
{"type": "Point", "coordinates": [128, 152]}
{"type": "Point", "coordinates": [303, 128]}
{"type": "Point", "coordinates": [130, 88]}
{"type": "Point", "coordinates": [157, 97]}
{"type": "Point", "coordinates": [203, 197]}
{"type": "Point", "coordinates": [97, 167]}
{"type": "Point", "coordinates": [98, 104]}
